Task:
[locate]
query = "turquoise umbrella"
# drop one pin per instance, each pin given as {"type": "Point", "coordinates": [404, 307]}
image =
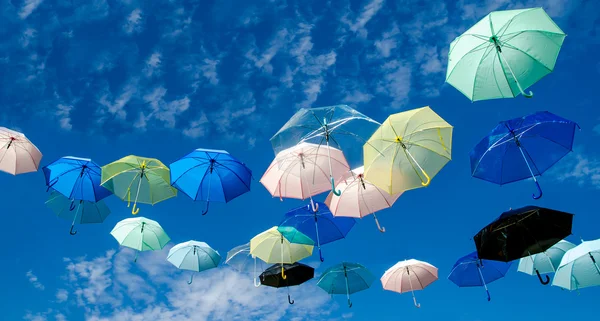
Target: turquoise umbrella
{"type": "Point", "coordinates": [86, 213]}
{"type": "Point", "coordinates": [193, 256]}
{"type": "Point", "coordinates": [140, 234]}
{"type": "Point", "coordinates": [579, 267]}
{"type": "Point", "coordinates": [346, 278]}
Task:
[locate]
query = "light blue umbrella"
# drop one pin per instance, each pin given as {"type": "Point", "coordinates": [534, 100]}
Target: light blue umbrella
{"type": "Point", "coordinates": [579, 267]}
{"type": "Point", "coordinates": [547, 261]}
{"type": "Point", "coordinates": [346, 278]}
{"type": "Point", "coordinates": [87, 213]}
{"type": "Point", "coordinates": [193, 256]}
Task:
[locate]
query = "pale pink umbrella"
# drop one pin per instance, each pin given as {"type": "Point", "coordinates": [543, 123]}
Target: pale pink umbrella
{"type": "Point", "coordinates": [409, 275]}
{"type": "Point", "coordinates": [359, 197]}
{"type": "Point", "coordinates": [302, 171]}
{"type": "Point", "coordinates": [18, 155]}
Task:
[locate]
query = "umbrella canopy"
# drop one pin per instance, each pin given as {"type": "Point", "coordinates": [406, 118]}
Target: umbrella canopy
{"type": "Point", "coordinates": [140, 234]}
{"type": "Point", "coordinates": [522, 232]}
{"type": "Point", "coordinates": [302, 171]}
{"type": "Point", "coordinates": [18, 155]}
{"type": "Point", "coordinates": [504, 54]}
{"type": "Point", "coordinates": [76, 178]}
{"type": "Point", "coordinates": [355, 189]}
{"type": "Point", "coordinates": [547, 261]}
{"type": "Point", "coordinates": [470, 271]}
{"type": "Point", "coordinates": [409, 275]}
{"type": "Point", "coordinates": [193, 256]}
{"type": "Point", "coordinates": [210, 175]}
{"type": "Point", "coordinates": [297, 273]}
{"type": "Point", "coordinates": [408, 150]}
{"type": "Point", "coordinates": [333, 126]}
{"type": "Point", "coordinates": [346, 278]}
{"type": "Point", "coordinates": [148, 179]}
{"type": "Point", "coordinates": [87, 212]}
{"type": "Point", "coordinates": [241, 259]}
{"type": "Point", "coordinates": [281, 244]}
{"type": "Point", "coordinates": [579, 267]}
{"type": "Point", "coordinates": [522, 147]}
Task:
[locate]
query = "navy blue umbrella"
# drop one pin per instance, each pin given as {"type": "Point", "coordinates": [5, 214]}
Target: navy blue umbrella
{"type": "Point", "coordinates": [318, 224]}
{"type": "Point", "coordinates": [470, 271]}
{"type": "Point", "coordinates": [522, 147]}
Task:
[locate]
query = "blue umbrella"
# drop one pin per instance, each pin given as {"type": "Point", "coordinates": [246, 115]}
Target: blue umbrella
{"type": "Point", "coordinates": [471, 271]}
{"type": "Point", "coordinates": [88, 213]}
{"type": "Point", "coordinates": [320, 225]}
{"type": "Point", "coordinates": [346, 278]}
{"type": "Point", "coordinates": [522, 147]}
{"type": "Point", "coordinates": [210, 175]}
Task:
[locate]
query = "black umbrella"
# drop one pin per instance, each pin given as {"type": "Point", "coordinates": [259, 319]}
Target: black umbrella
{"type": "Point", "coordinates": [296, 274]}
{"type": "Point", "coordinates": [522, 232]}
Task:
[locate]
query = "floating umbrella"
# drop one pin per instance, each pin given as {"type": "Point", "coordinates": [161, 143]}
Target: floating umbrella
{"type": "Point", "coordinates": [88, 212]}
{"type": "Point", "coordinates": [281, 244]}
{"type": "Point", "coordinates": [408, 150]}
{"type": "Point", "coordinates": [146, 178]}
{"type": "Point", "coordinates": [18, 155]}
{"type": "Point", "coordinates": [579, 267]}
{"type": "Point", "coordinates": [193, 256]}
{"type": "Point", "coordinates": [409, 275]}
{"type": "Point", "coordinates": [240, 259]}
{"type": "Point", "coordinates": [521, 148]}
{"type": "Point", "coordinates": [140, 234]}
{"type": "Point", "coordinates": [470, 271]}
{"type": "Point", "coordinates": [504, 54]}
{"type": "Point", "coordinates": [319, 225]}
{"type": "Point", "coordinates": [523, 232]}
{"type": "Point", "coordinates": [340, 126]}
{"type": "Point", "coordinates": [210, 175]}
{"type": "Point", "coordinates": [547, 261]}
{"type": "Point", "coordinates": [359, 197]}
{"type": "Point", "coordinates": [301, 171]}
{"type": "Point", "coordinates": [346, 278]}
{"type": "Point", "coordinates": [296, 274]}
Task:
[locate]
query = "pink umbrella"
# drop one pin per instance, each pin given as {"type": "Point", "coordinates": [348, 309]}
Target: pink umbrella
{"type": "Point", "coordinates": [302, 171]}
{"type": "Point", "coordinates": [359, 197]}
{"type": "Point", "coordinates": [409, 275]}
{"type": "Point", "coordinates": [17, 154]}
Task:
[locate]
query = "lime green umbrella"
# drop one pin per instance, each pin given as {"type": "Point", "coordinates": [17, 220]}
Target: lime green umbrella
{"type": "Point", "coordinates": [140, 234]}
{"type": "Point", "coordinates": [146, 178]}
{"type": "Point", "coordinates": [281, 244]}
{"type": "Point", "coordinates": [504, 53]}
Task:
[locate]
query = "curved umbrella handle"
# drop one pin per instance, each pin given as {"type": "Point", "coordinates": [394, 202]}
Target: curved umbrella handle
{"type": "Point", "coordinates": [135, 209]}
{"type": "Point", "coordinates": [256, 285]}
{"type": "Point", "coordinates": [191, 279]}
{"type": "Point", "coordinates": [349, 303]}
{"type": "Point", "coordinates": [283, 276]}
{"type": "Point", "coordinates": [206, 210]}
{"type": "Point", "coordinates": [321, 256]}
{"type": "Point", "coordinates": [336, 192]}
{"type": "Point", "coordinates": [539, 190]}
{"type": "Point", "coordinates": [426, 183]}
{"type": "Point", "coordinates": [530, 95]}
{"type": "Point", "coordinates": [72, 232]}
{"type": "Point", "coordinates": [542, 280]}
{"type": "Point", "coordinates": [314, 206]}
{"type": "Point", "coordinates": [290, 301]}
{"type": "Point", "coordinates": [488, 294]}
{"type": "Point", "coordinates": [418, 305]}
{"type": "Point", "coordinates": [72, 206]}
{"type": "Point", "coordinates": [381, 229]}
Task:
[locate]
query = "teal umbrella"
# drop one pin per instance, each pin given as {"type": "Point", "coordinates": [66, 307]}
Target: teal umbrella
{"type": "Point", "coordinates": [504, 53]}
{"type": "Point", "coordinates": [140, 234]}
{"type": "Point", "coordinates": [579, 267]}
{"type": "Point", "coordinates": [86, 212]}
{"type": "Point", "coordinates": [346, 278]}
{"type": "Point", "coordinates": [193, 256]}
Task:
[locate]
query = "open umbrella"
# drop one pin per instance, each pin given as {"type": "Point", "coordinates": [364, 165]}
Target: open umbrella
{"type": "Point", "coordinates": [87, 213]}
{"type": "Point", "coordinates": [409, 275]}
{"type": "Point", "coordinates": [522, 232]}
{"type": "Point", "coordinates": [579, 267]}
{"type": "Point", "coordinates": [522, 147]}
{"type": "Point", "coordinates": [470, 270]}
{"type": "Point", "coordinates": [359, 197]}
{"type": "Point", "coordinates": [18, 155]}
{"type": "Point", "coordinates": [140, 234]}
{"type": "Point", "coordinates": [547, 261]}
{"type": "Point", "coordinates": [346, 278]}
{"type": "Point", "coordinates": [241, 259]}
{"type": "Point", "coordinates": [319, 225]}
{"type": "Point", "coordinates": [296, 274]}
{"type": "Point", "coordinates": [210, 175]}
{"type": "Point", "coordinates": [148, 179]}
{"type": "Point", "coordinates": [504, 53]}
{"type": "Point", "coordinates": [408, 150]}
{"type": "Point", "coordinates": [193, 256]}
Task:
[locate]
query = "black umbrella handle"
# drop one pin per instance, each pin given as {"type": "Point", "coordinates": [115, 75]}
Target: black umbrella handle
{"type": "Point", "coordinates": [542, 280]}
{"type": "Point", "coordinates": [488, 294]}
{"type": "Point", "coordinates": [290, 301]}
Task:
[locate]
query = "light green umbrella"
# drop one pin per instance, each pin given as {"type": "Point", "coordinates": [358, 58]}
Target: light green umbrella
{"type": "Point", "coordinates": [140, 234]}
{"type": "Point", "coordinates": [504, 53]}
{"type": "Point", "coordinates": [194, 256]}
{"type": "Point", "coordinates": [579, 267]}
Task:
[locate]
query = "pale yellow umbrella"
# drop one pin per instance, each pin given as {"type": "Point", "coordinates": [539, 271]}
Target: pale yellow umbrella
{"type": "Point", "coordinates": [408, 150]}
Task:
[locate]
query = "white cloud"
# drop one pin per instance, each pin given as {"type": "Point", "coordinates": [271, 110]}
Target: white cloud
{"type": "Point", "coordinates": [396, 82]}
{"type": "Point", "coordinates": [117, 107]}
{"type": "Point", "coordinates": [153, 63]}
{"type": "Point", "coordinates": [62, 295]}
{"type": "Point", "coordinates": [28, 7]}
{"type": "Point", "coordinates": [367, 13]}
{"type": "Point", "coordinates": [197, 128]}
{"type": "Point", "coordinates": [209, 70]}
{"type": "Point", "coordinates": [133, 23]}
{"type": "Point", "coordinates": [63, 112]}
{"type": "Point", "coordinates": [166, 112]}
{"type": "Point", "coordinates": [578, 168]}
{"type": "Point", "coordinates": [33, 279]}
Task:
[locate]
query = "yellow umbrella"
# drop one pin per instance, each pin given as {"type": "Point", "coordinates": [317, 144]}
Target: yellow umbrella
{"type": "Point", "coordinates": [407, 150]}
{"type": "Point", "coordinates": [281, 244]}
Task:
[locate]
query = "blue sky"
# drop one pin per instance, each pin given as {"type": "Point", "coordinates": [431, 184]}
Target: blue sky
{"type": "Point", "coordinates": [105, 78]}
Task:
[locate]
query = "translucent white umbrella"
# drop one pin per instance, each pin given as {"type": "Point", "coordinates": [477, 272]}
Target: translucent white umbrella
{"type": "Point", "coordinates": [241, 260]}
{"type": "Point", "coordinates": [18, 155]}
{"type": "Point", "coordinates": [409, 275]}
{"type": "Point", "coordinates": [579, 267]}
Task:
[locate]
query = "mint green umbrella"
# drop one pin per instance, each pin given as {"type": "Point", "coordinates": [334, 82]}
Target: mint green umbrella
{"type": "Point", "coordinates": [504, 53]}
{"type": "Point", "coordinates": [140, 234]}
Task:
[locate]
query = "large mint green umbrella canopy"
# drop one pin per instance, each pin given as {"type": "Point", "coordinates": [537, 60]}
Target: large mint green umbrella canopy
{"type": "Point", "coordinates": [579, 267]}
{"type": "Point", "coordinates": [140, 234]}
{"type": "Point", "coordinates": [504, 53]}
{"type": "Point", "coordinates": [193, 256]}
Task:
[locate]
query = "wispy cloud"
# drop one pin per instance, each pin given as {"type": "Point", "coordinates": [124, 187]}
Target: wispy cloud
{"type": "Point", "coordinates": [133, 22]}
{"type": "Point", "coordinates": [366, 14]}
{"type": "Point", "coordinates": [62, 295]}
{"type": "Point", "coordinates": [33, 279]}
{"type": "Point", "coordinates": [578, 168]}
{"type": "Point", "coordinates": [28, 7]}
